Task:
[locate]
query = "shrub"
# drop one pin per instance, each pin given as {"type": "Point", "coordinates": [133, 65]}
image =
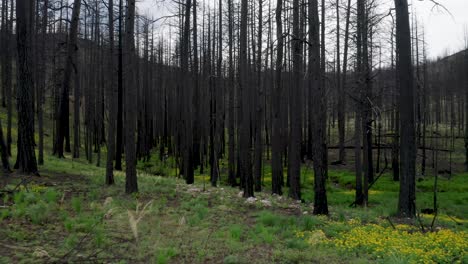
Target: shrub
{"type": "Point", "coordinates": [444, 246]}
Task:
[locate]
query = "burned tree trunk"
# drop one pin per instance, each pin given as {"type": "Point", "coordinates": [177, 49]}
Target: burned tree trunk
{"type": "Point", "coordinates": [62, 124]}
{"type": "Point", "coordinates": [119, 134]}
{"type": "Point", "coordinates": [131, 184]}
{"type": "Point", "coordinates": [466, 114]}
{"type": "Point", "coordinates": [294, 155]}
{"type": "Point", "coordinates": [319, 146]}
{"type": "Point", "coordinates": [258, 155]}
{"type": "Point", "coordinates": [41, 85]}
{"type": "Point", "coordinates": [407, 197]}
{"type": "Point", "coordinates": [4, 152]}
{"type": "Point", "coordinates": [187, 97]}
{"type": "Point", "coordinates": [111, 99]}
{"type": "Point", "coordinates": [6, 62]}
{"type": "Point", "coordinates": [245, 137]}
{"type": "Point", "coordinates": [340, 85]}
{"type": "Point", "coordinates": [231, 87]}
{"type": "Point", "coordinates": [276, 147]}
{"type": "Point", "coordinates": [26, 158]}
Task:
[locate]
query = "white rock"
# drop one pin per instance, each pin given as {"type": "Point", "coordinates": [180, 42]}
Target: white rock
{"type": "Point", "coordinates": [251, 200]}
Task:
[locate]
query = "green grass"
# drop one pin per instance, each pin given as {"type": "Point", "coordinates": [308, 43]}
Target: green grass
{"type": "Point", "coordinates": [71, 215]}
{"type": "Point", "coordinates": [197, 224]}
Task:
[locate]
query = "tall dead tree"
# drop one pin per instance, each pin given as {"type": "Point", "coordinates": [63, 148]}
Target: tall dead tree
{"type": "Point", "coordinates": [395, 114]}
{"type": "Point", "coordinates": [258, 155]}
{"type": "Point", "coordinates": [4, 152]}
{"type": "Point", "coordinates": [466, 109]}
{"type": "Point", "coordinates": [112, 94]}
{"type": "Point", "coordinates": [294, 154]}
{"type": "Point", "coordinates": [407, 195]}
{"type": "Point", "coordinates": [131, 184]}
{"type": "Point", "coordinates": [26, 157]}
{"type": "Point", "coordinates": [276, 146]}
{"type": "Point", "coordinates": [363, 102]}
{"type": "Point", "coordinates": [196, 93]}
{"type": "Point", "coordinates": [120, 140]}
{"type": "Point", "coordinates": [6, 66]}
{"type": "Point", "coordinates": [340, 85]}
{"type": "Point", "coordinates": [319, 145]}
{"type": "Point", "coordinates": [187, 99]}
{"type": "Point", "coordinates": [62, 122]}
{"type": "Point", "coordinates": [245, 137]}
{"type": "Point", "coordinates": [231, 87]}
{"type": "Point", "coordinates": [41, 81]}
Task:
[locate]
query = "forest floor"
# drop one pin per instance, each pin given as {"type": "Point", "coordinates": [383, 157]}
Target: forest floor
{"type": "Point", "coordinates": [69, 215]}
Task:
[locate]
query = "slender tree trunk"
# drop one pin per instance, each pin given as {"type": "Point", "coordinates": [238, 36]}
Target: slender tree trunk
{"type": "Point", "coordinates": [196, 89]}
{"type": "Point", "coordinates": [3, 47]}
{"type": "Point", "coordinates": [245, 142]}
{"type": "Point", "coordinates": [6, 63]}
{"type": "Point", "coordinates": [258, 155]}
{"type": "Point", "coordinates": [3, 152]}
{"type": "Point", "coordinates": [340, 85]}
{"type": "Point", "coordinates": [231, 126]}
{"type": "Point", "coordinates": [187, 97]}
{"type": "Point", "coordinates": [131, 184]}
{"type": "Point", "coordinates": [62, 126]}
{"type": "Point", "coordinates": [294, 155]}
{"type": "Point", "coordinates": [76, 119]}
{"type": "Point", "coordinates": [120, 139]}
{"type": "Point", "coordinates": [423, 110]}
{"type": "Point", "coordinates": [318, 101]}
{"type": "Point", "coordinates": [112, 95]}
{"type": "Point", "coordinates": [466, 114]}
{"type": "Point", "coordinates": [359, 199]}
{"type": "Point", "coordinates": [276, 147]}
{"type": "Point", "coordinates": [364, 82]}
{"type": "Point", "coordinates": [42, 82]}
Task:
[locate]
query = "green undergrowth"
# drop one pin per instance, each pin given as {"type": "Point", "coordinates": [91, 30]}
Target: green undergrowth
{"type": "Point", "coordinates": [68, 214]}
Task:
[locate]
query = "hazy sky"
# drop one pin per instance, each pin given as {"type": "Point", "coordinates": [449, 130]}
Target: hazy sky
{"type": "Point", "coordinates": [444, 32]}
{"type": "Point", "coordinates": [444, 29]}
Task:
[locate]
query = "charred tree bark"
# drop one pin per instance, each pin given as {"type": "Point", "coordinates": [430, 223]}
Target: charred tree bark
{"type": "Point", "coordinates": [41, 85]}
{"type": "Point", "coordinates": [466, 114]}
{"type": "Point", "coordinates": [131, 184]}
{"type": "Point", "coordinates": [245, 137]}
{"type": "Point", "coordinates": [340, 84]}
{"type": "Point", "coordinates": [62, 125]}
{"type": "Point", "coordinates": [294, 154]}
{"type": "Point", "coordinates": [407, 196]}
{"type": "Point", "coordinates": [258, 155]}
{"type": "Point", "coordinates": [6, 62]}
{"type": "Point", "coordinates": [276, 146]}
{"type": "Point", "coordinates": [4, 152]}
{"type": "Point", "coordinates": [26, 158]}
{"type": "Point", "coordinates": [231, 104]}
{"type": "Point", "coordinates": [120, 139]}
{"type": "Point", "coordinates": [319, 145]}
{"type": "Point", "coordinates": [187, 98]}
{"type": "Point", "coordinates": [196, 97]}
{"type": "Point", "coordinates": [112, 95]}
